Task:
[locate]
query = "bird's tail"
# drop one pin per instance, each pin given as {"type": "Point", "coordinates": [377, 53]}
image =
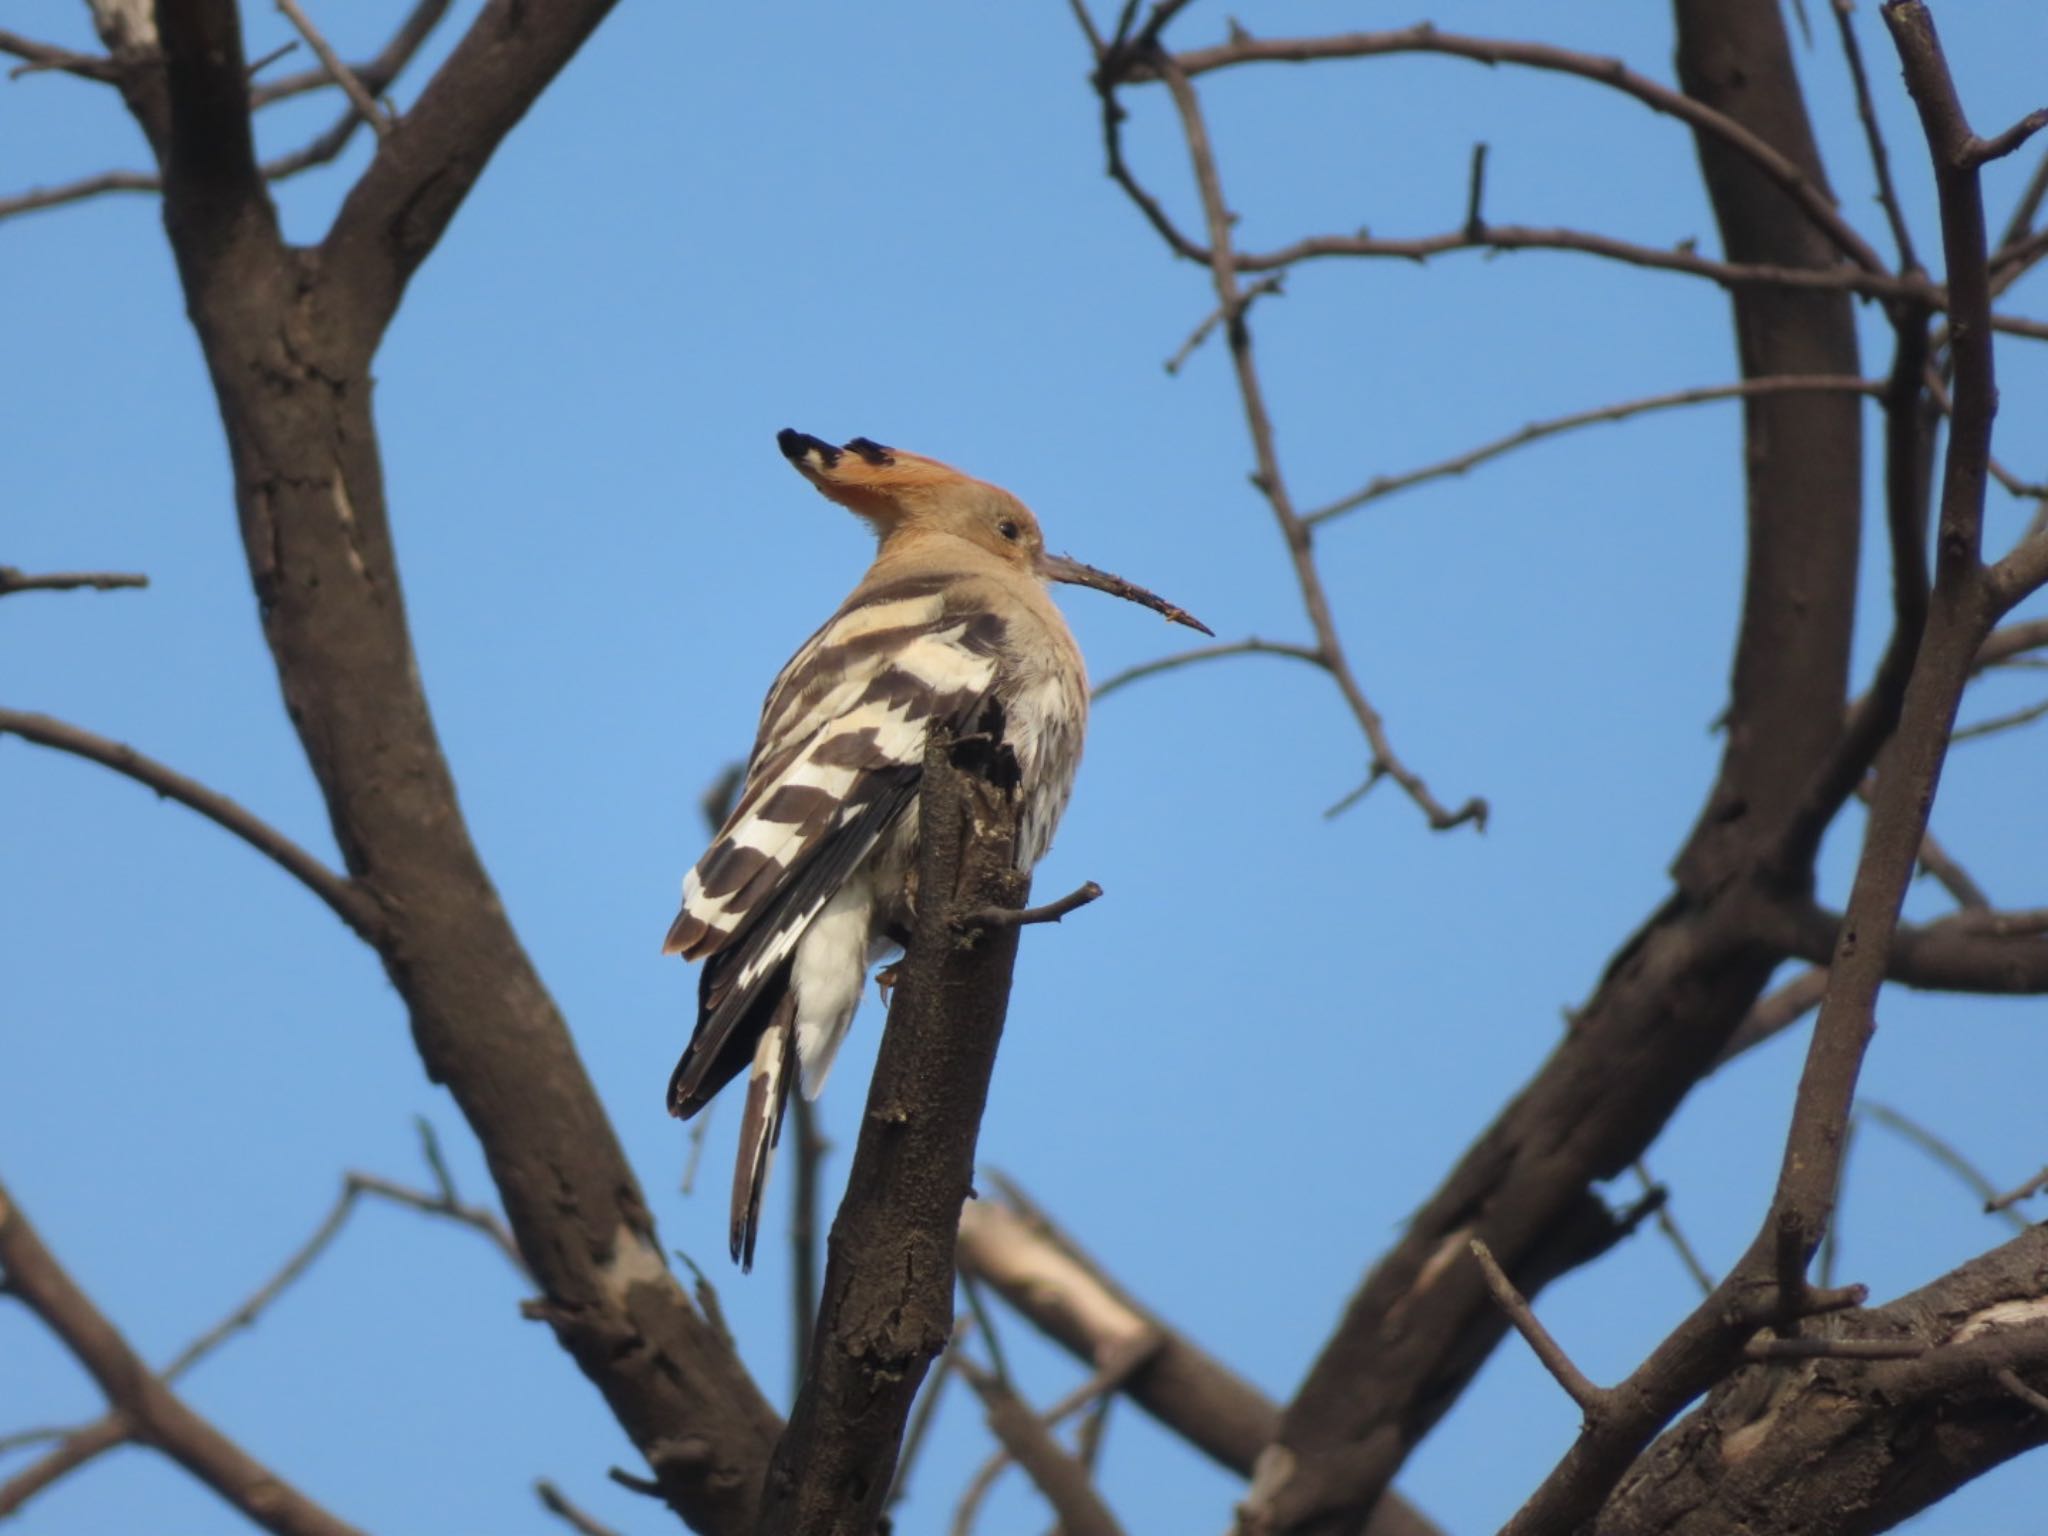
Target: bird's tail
{"type": "Point", "coordinates": [768, 1084]}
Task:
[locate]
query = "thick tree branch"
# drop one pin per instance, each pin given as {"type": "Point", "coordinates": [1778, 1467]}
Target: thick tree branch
{"type": "Point", "coordinates": [152, 1412]}
{"type": "Point", "coordinates": [348, 900]}
{"type": "Point", "coordinates": [1677, 989]}
{"type": "Point", "coordinates": [887, 1307]}
{"type": "Point", "coordinates": [288, 338]}
{"type": "Point", "coordinates": [398, 211]}
{"type": "Point", "coordinates": [1015, 1249]}
{"type": "Point", "coordinates": [1839, 1447]}
{"type": "Point", "coordinates": [1772, 1272]}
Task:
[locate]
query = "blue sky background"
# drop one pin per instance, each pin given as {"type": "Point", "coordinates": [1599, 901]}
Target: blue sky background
{"type": "Point", "coordinates": [1234, 1076]}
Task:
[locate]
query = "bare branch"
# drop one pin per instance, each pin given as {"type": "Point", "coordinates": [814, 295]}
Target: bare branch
{"type": "Point", "coordinates": [1252, 646]}
{"type": "Point", "coordinates": [1873, 137]}
{"type": "Point", "coordinates": [47, 56]}
{"type": "Point", "coordinates": [344, 77]}
{"type": "Point", "coordinates": [886, 1308]}
{"type": "Point", "coordinates": [376, 75]}
{"type": "Point", "coordinates": [1592, 1400]}
{"type": "Point", "coordinates": [80, 1445]}
{"type": "Point", "coordinates": [1944, 1153]}
{"type": "Point", "coordinates": [556, 1503]}
{"type": "Point", "coordinates": [1777, 1012]}
{"type": "Point", "coordinates": [16, 580]}
{"type": "Point", "coordinates": [1051, 912]}
{"type": "Point", "coordinates": [1811, 200]}
{"type": "Point", "coordinates": [1201, 333]}
{"type": "Point", "coordinates": [1667, 1225]}
{"type": "Point", "coordinates": [77, 191]}
{"type": "Point", "coordinates": [1995, 724]}
{"type": "Point", "coordinates": [2014, 1196]}
{"type": "Point", "coordinates": [1063, 1480]}
{"type": "Point", "coordinates": [157, 1414]}
{"type": "Point", "coordinates": [502, 63]}
{"type": "Point", "coordinates": [1776, 384]}
{"type": "Point", "coordinates": [1983, 151]}
{"type": "Point", "coordinates": [348, 901]}
{"type": "Point", "coordinates": [1271, 484]}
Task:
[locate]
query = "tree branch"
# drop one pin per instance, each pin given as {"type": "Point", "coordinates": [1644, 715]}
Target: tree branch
{"type": "Point", "coordinates": [1774, 384]}
{"type": "Point", "coordinates": [1801, 188]}
{"type": "Point", "coordinates": [394, 216]}
{"type": "Point", "coordinates": [887, 1306]}
{"type": "Point", "coordinates": [153, 1412]}
{"type": "Point", "coordinates": [82, 1444]}
{"type": "Point", "coordinates": [1268, 478]}
{"type": "Point", "coordinates": [13, 579]}
{"type": "Point", "coordinates": [376, 75]}
{"type": "Point", "coordinates": [359, 97]}
{"type": "Point", "coordinates": [1833, 1446]}
{"type": "Point", "coordinates": [349, 901]}
{"type": "Point", "coordinates": [1060, 1477]}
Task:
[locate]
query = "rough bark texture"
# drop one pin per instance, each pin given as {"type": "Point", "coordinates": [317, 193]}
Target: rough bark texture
{"type": "Point", "coordinates": [1846, 1447]}
{"type": "Point", "coordinates": [887, 1307]}
{"type": "Point", "coordinates": [288, 335]}
{"type": "Point", "coordinates": [1423, 1321]}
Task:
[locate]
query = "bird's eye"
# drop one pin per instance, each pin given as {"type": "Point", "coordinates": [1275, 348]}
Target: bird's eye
{"type": "Point", "coordinates": [1008, 530]}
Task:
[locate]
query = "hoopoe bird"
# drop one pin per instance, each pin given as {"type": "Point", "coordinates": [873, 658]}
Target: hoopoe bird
{"type": "Point", "coordinates": [804, 887]}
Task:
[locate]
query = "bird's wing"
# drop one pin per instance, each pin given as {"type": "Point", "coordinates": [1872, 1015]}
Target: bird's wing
{"type": "Point", "coordinates": [838, 760]}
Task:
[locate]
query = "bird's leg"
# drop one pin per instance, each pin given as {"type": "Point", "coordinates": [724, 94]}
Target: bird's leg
{"type": "Point", "coordinates": [886, 979]}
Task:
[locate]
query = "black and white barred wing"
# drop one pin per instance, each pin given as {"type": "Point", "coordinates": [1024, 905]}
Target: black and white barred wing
{"type": "Point", "coordinates": [837, 763]}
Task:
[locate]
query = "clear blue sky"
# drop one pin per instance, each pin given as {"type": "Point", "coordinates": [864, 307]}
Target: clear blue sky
{"type": "Point", "coordinates": [1232, 1077]}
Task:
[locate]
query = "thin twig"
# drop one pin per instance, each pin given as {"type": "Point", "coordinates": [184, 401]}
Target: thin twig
{"type": "Point", "coordinates": [927, 1410]}
{"type": "Point", "coordinates": [261, 62]}
{"type": "Point", "coordinates": [351, 87]}
{"type": "Point", "coordinates": [1253, 646]}
{"type": "Point", "coordinates": [2014, 1196]}
{"type": "Point", "coordinates": [13, 579]}
{"type": "Point", "coordinates": [1051, 912]}
{"type": "Point", "coordinates": [1944, 1153]}
{"type": "Point", "coordinates": [556, 1503]}
{"type": "Point", "coordinates": [1997, 723]}
{"type": "Point", "coordinates": [1268, 479]}
{"type": "Point", "coordinates": [1592, 1400]}
{"type": "Point", "coordinates": [378, 74]}
{"type": "Point", "coordinates": [1386, 485]}
{"type": "Point", "coordinates": [1063, 1480]}
{"type": "Point", "coordinates": [1980, 152]}
{"type": "Point", "coordinates": [1880, 162]}
{"type": "Point", "coordinates": [1668, 1225]}
{"type": "Point", "coordinates": [349, 901]}
{"type": "Point", "coordinates": [47, 56]}
{"type": "Point", "coordinates": [166, 1422]}
{"type": "Point", "coordinates": [77, 191]}
{"type": "Point", "coordinates": [1217, 316]}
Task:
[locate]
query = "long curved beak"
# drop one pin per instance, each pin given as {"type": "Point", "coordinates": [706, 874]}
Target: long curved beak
{"type": "Point", "coordinates": [1066, 568]}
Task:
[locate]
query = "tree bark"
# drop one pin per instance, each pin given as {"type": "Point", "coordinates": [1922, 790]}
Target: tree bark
{"type": "Point", "coordinates": [1423, 1322]}
{"type": "Point", "coordinates": [887, 1306]}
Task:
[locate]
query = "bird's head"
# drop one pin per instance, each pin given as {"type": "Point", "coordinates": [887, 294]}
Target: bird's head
{"type": "Point", "coordinates": [903, 495]}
